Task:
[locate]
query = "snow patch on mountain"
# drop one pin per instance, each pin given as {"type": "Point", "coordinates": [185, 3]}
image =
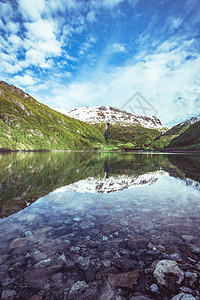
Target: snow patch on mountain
{"type": "Point", "coordinates": [112, 115]}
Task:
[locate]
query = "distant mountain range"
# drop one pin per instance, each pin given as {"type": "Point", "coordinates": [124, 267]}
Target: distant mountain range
{"type": "Point", "coordinates": [26, 124]}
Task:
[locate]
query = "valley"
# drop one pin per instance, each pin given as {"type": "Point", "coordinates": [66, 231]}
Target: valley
{"type": "Point", "coordinates": [29, 125]}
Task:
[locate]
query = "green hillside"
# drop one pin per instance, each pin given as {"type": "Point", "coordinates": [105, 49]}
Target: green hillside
{"type": "Point", "coordinates": [26, 124]}
{"type": "Point", "coordinates": [132, 137]}
{"type": "Point", "coordinates": [164, 140]}
{"type": "Point", "coordinates": [188, 140]}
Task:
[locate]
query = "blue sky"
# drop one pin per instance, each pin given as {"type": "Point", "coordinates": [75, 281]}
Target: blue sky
{"type": "Point", "coordinates": [70, 53]}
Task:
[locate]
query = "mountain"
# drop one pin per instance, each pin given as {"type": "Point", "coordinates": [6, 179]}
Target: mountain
{"type": "Point", "coordinates": [181, 127]}
{"type": "Point", "coordinates": [26, 124]}
{"type": "Point", "coordinates": [188, 140]}
{"type": "Point", "coordinates": [166, 138]}
{"type": "Point", "coordinates": [120, 128]}
{"type": "Point", "coordinates": [111, 115]}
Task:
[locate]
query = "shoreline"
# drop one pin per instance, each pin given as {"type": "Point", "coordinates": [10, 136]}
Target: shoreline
{"type": "Point", "coordinates": [2, 150]}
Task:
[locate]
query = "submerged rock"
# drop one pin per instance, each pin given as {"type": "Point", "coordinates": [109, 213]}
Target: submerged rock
{"type": "Point", "coordinates": [39, 256]}
{"type": "Point", "coordinates": [183, 296]}
{"type": "Point", "coordinates": [38, 277]}
{"type": "Point", "coordinates": [168, 274]}
{"type": "Point", "coordinates": [105, 291]}
{"type": "Point", "coordinates": [124, 279]}
{"type": "Point", "coordinates": [90, 275]}
{"type": "Point", "coordinates": [154, 289]}
{"type": "Point", "coordinates": [8, 294]}
{"type": "Point", "coordinates": [137, 242]}
{"type": "Point", "coordinates": [139, 296]}
{"type": "Point", "coordinates": [83, 262]}
{"type": "Point", "coordinates": [77, 289]}
{"type": "Point", "coordinates": [20, 242]}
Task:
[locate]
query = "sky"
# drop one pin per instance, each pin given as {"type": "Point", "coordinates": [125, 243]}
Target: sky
{"type": "Point", "coordinates": [139, 55]}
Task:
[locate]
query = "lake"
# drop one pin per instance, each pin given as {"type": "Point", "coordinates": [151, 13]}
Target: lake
{"type": "Point", "coordinates": [89, 225]}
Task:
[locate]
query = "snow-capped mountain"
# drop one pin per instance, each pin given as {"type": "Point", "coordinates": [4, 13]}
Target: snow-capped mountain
{"type": "Point", "coordinates": [112, 115]}
{"type": "Point", "coordinates": [112, 184]}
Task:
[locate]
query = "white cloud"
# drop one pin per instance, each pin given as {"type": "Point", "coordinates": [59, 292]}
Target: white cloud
{"type": "Point", "coordinates": [41, 43]}
{"type": "Point", "coordinates": [167, 46]}
{"type": "Point", "coordinates": [87, 45]}
{"type": "Point", "coordinates": [13, 27]}
{"type": "Point", "coordinates": [41, 30]}
{"type": "Point", "coordinates": [69, 57]}
{"type": "Point", "coordinates": [110, 3]}
{"type": "Point", "coordinates": [91, 16]}
{"type": "Point", "coordinates": [4, 45]}
{"type": "Point", "coordinates": [176, 22]}
{"type": "Point", "coordinates": [49, 48]}
{"type": "Point", "coordinates": [161, 78]}
{"type": "Point", "coordinates": [47, 64]}
{"type": "Point", "coordinates": [31, 10]}
{"type": "Point", "coordinates": [117, 47]}
{"type": "Point", "coordinates": [61, 5]}
{"type": "Point", "coordinates": [23, 80]}
{"type": "Point", "coordinates": [76, 94]}
{"type": "Point", "coordinates": [34, 57]}
{"type": "Point", "coordinates": [6, 11]}
{"type": "Point", "coordinates": [106, 4]}
{"type": "Point", "coordinates": [133, 2]}
{"type": "Point", "coordinates": [41, 53]}
{"type": "Point", "coordinates": [15, 40]}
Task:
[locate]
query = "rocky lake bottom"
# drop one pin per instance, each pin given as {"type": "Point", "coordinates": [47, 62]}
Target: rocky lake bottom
{"type": "Point", "coordinates": [115, 232]}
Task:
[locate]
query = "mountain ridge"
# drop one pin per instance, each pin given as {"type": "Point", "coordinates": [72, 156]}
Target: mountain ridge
{"type": "Point", "coordinates": [123, 130]}
{"type": "Point", "coordinates": [113, 115]}
{"type": "Point", "coordinates": [27, 124]}
{"type": "Point", "coordinates": [188, 140]}
{"type": "Point", "coordinates": [166, 138]}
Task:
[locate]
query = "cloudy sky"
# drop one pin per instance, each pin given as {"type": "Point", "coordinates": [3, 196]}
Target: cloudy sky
{"type": "Point", "coordinates": [73, 53]}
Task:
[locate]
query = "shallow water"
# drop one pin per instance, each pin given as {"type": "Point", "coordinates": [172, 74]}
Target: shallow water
{"type": "Point", "coordinates": [82, 209]}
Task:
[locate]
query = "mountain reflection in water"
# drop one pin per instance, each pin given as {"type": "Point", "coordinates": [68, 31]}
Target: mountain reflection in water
{"type": "Point", "coordinates": [94, 225]}
{"type": "Point", "coordinates": [25, 177]}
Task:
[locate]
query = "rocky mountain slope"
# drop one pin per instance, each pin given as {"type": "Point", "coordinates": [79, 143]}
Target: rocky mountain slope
{"type": "Point", "coordinates": [125, 130]}
{"type": "Point", "coordinates": [111, 115]}
{"type": "Point", "coordinates": [26, 124]}
{"type": "Point", "coordinates": [166, 138]}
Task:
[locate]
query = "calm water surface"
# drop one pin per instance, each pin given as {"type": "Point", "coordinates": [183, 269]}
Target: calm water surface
{"type": "Point", "coordinates": [82, 209]}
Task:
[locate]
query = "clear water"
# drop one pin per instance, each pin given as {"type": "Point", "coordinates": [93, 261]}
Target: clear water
{"type": "Point", "coordinates": [65, 203]}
